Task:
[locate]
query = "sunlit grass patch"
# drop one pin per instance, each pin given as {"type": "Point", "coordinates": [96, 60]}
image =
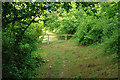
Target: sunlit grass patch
{"type": "Point", "coordinates": [71, 61]}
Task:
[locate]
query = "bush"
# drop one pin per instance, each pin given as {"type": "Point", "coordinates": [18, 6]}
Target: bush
{"type": "Point", "coordinates": [17, 61]}
{"type": "Point", "coordinates": [111, 36]}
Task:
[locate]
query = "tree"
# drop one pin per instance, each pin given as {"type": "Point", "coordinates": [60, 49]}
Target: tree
{"type": "Point", "coordinates": [17, 42]}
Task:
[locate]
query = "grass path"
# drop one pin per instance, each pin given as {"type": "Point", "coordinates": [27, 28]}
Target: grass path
{"type": "Point", "coordinates": [66, 60]}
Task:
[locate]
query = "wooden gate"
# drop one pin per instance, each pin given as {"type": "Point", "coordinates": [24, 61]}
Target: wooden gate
{"type": "Point", "coordinates": [56, 35]}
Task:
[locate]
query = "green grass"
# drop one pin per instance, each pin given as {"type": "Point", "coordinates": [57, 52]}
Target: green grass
{"type": "Point", "coordinates": [68, 60]}
{"type": "Point", "coordinates": [65, 59]}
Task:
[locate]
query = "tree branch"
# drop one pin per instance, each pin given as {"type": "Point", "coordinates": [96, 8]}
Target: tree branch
{"type": "Point", "coordinates": [28, 25]}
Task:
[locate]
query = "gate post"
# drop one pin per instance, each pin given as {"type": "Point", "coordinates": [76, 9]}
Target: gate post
{"type": "Point", "coordinates": [48, 38]}
{"type": "Point", "coordinates": [65, 37]}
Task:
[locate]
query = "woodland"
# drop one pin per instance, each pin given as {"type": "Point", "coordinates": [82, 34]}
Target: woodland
{"type": "Point", "coordinates": [96, 36]}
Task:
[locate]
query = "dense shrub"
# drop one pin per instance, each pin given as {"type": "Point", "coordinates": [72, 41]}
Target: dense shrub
{"type": "Point", "coordinates": [111, 36]}
{"type": "Point", "coordinates": [17, 61]}
{"type": "Point", "coordinates": [96, 23]}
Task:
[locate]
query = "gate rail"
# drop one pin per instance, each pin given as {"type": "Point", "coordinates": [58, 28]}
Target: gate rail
{"type": "Point", "coordinates": [56, 35]}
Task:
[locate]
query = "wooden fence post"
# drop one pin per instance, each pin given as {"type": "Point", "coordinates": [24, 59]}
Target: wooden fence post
{"type": "Point", "coordinates": [65, 37]}
{"type": "Point", "coordinates": [48, 38]}
{"type": "Point", "coordinates": [37, 38]}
